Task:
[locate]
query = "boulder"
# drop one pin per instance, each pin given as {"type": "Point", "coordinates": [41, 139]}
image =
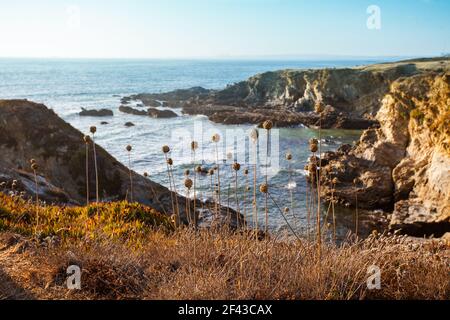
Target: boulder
{"type": "Point", "coordinates": [96, 113]}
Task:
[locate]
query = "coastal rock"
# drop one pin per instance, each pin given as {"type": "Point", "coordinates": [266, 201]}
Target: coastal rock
{"type": "Point", "coordinates": [129, 124]}
{"type": "Point", "coordinates": [403, 166]}
{"type": "Point", "coordinates": [130, 110]}
{"type": "Point", "coordinates": [32, 131]}
{"type": "Point", "coordinates": [155, 113]}
{"type": "Point", "coordinates": [96, 113]}
{"type": "Point", "coordinates": [352, 96]}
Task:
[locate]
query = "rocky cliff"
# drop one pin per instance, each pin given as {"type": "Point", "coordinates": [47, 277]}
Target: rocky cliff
{"type": "Point", "coordinates": [32, 131]}
{"type": "Point", "coordinates": [352, 96]}
{"type": "Point", "coordinates": [403, 166]}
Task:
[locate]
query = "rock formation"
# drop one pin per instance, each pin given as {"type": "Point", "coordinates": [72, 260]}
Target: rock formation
{"type": "Point", "coordinates": [32, 131]}
{"type": "Point", "coordinates": [403, 166]}
{"type": "Point", "coordinates": [352, 95]}
{"type": "Point", "coordinates": [96, 113]}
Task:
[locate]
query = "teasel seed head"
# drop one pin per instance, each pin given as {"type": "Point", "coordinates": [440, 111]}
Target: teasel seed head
{"type": "Point", "coordinates": [194, 145]}
{"type": "Point", "coordinates": [264, 188]}
{"type": "Point", "coordinates": [165, 149]}
{"type": "Point", "coordinates": [236, 166]}
{"type": "Point", "coordinates": [288, 156]}
{"type": "Point", "coordinates": [268, 125]}
{"type": "Point", "coordinates": [129, 148]}
{"type": "Point", "coordinates": [93, 129]}
{"type": "Point", "coordinates": [188, 183]}
{"type": "Point", "coordinates": [170, 162]}
{"type": "Point", "coordinates": [254, 135]}
{"type": "Point", "coordinates": [313, 141]}
{"type": "Point", "coordinates": [313, 148]}
{"type": "Point", "coordinates": [216, 138]}
{"type": "Point", "coordinates": [87, 139]}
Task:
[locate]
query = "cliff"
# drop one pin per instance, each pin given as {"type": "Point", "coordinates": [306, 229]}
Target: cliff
{"type": "Point", "coordinates": [403, 166]}
{"type": "Point", "coordinates": [352, 96]}
{"type": "Point", "coordinates": [32, 131]}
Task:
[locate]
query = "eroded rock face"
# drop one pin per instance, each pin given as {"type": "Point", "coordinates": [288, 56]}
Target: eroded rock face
{"type": "Point", "coordinates": [404, 165]}
{"type": "Point", "coordinates": [32, 131]}
{"type": "Point", "coordinates": [352, 96]}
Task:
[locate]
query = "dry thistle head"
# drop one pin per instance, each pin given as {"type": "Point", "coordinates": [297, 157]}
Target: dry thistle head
{"type": "Point", "coordinates": [34, 166]}
{"type": "Point", "coordinates": [145, 174]}
{"type": "Point", "coordinates": [264, 188]}
{"type": "Point", "coordinates": [170, 161]}
{"type": "Point", "coordinates": [188, 183]}
{"type": "Point", "coordinates": [129, 148]}
{"type": "Point", "coordinates": [254, 135]}
{"type": "Point", "coordinates": [215, 138]}
{"type": "Point", "coordinates": [87, 139]}
{"type": "Point", "coordinates": [187, 172]}
{"type": "Point", "coordinates": [313, 141]}
{"type": "Point", "coordinates": [93, 129]}
{"type": "Point", "coordinates": [211, 172]}
{"type": "Point", "coordinates": [246, 172]}
{"type": "Point", "coordinates": [236, 166]}
{"type": "Point", "coordinates": [312, 168]}
{"type": "Point", "coordinates": [268, 125]}
{"type": "Point", "coordinates": [313, 147]}
{"type": "Point", "coordinates": [165, 149]}
{"type": "Point", "coordinates": [286, 210]}
{"type": "Point", "coordinates": [199, 169]}
{"type": "Point", "coordinates": [288, 156]}
{"type": "Point", "coordinates": [194, 145]}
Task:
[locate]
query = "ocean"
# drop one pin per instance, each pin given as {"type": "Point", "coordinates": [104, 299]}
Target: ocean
{"type": "Point", "coordinates": [68, 85]}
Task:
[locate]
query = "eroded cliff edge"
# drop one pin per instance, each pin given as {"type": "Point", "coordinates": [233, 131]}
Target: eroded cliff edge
{"type": "Point", "coordinates": [352, 96]}
{"type": "Point", "coordinates": [403, 166]}
{"type": "Point", "coordinates": [30, 130]}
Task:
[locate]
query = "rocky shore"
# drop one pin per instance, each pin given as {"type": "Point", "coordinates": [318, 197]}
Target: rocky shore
{"type": "Point", "coordinates": [351, 96]}
{"type": "Point", "coordinates": [32, 131]}
{"type": "Point", "coordinates": [403, 166]}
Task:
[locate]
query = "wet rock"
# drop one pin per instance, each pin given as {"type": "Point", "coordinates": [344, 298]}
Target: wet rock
{"type": "Point", "coordinates": [130, 110]}
{"type": "Point", "coordinates": [129, 124]}
{"type": "Point", "coordinates": [96, 113]}
{"type": "Point", "coordinates": [155, 113]}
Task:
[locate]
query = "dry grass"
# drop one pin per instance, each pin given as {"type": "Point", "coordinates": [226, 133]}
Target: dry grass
{"type": "Point", "coordinates": [161, 265]}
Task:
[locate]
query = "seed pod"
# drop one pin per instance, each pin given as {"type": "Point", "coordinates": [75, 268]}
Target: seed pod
{"type": "Point", "coordinates": [165, 149]}
{"type": "Point", "coordinates": [129, 148]}
{"type": "Point", "coordinates": [194, 145]}
{"type": "Point", "coordinates": [268, 125]}
{"type": "Point", "coordinates": [32, 161]}
{"type": "Point", "coordinates": [188, 183]}
{"type": "Point", "coordinates": [286, 210]}
{"type": "Point", "coordinates": [211, 172]}
{"type": "Point", "coordinates": [199, 169]}
{"type": "Point", "coordinates": [254, 135]}
{"type": "Point", "coordinates": [312, 168]}
{"type": "Point", "coordinates": [248, 189]}
{"type": "Point", "coordinates": [313, 148]}
{"type": "Point", "coordinates": [93, 129]}
{"type": "Point", "coordinates": [34, 166]}
{"type": "Point", "coordinates": [187, 172]}
{"type": "Point", "coordinates": [236, 166]}
{"type": "Point", "coordinates": [313, 141]}
{"type": "Point", "coordinates": [216, 138]}
{"type": "Point", "coordinates": [288, 156]}
{"type": "Point", "coordinates": [87, 139]}
{"type": "Point", "coordinates": [246, 172]}
{"type": "Point", "coordinates": [264, 188]}
{"type": "Point", "coordinates": [170, 161]}
{"type": "Point", "coordinates": [145, 174]}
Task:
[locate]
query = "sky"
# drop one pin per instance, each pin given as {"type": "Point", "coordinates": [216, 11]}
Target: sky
{"type": "Point", "coordinates": [223, 28]}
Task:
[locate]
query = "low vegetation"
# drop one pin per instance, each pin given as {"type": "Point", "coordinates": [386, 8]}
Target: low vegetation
{"type": "Point", "coordinates": [129, 251]}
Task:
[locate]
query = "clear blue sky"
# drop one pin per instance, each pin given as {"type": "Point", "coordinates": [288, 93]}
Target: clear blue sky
{"type": "Point", "coordinates": [221, 28]}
